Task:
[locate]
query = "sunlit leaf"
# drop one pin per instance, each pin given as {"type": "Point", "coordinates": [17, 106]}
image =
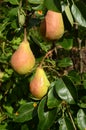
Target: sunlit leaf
{"type": "Point", "coordinates": [81, 119]}
{"type": "Point", "coordinates": [3, 126]}
{"type": "Point", "coordinates": [67, 44]}
{"type": "Point", "coordinates": [69, 15]}
{"type": "Point", "coordinates": [65, 62]}
{"type": "Point", "coordinates": [65, 124]}
{"type": "Point", "coordinates": [24, 113]}
{"type": "Point", "coordinates": [8, 108]}
{"type": "Point", "coordinates": [21, 17]}
{"type": "Point", "coordinates": [78, 16]}
{"type": "Point", "coordinates": [13, 2]}
{"type": "Point", "coordinates": [82, 7]}
{"type": "Point", "coordinates": [46, 118]}
{"type": "Point", "coordinates": [35, 1]}
{"type": "Point", "coordinates": [13, 12]}
{"type": "Point", "coordinates": [38, 7]}
{"type": "Point", "coordinates": [66, 90]}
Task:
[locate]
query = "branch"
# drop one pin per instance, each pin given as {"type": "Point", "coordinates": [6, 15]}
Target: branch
{"type": "Point", "coordinates": [81, 57]}
{"type": "Point", "coordinates": [49, 53]}
{"type": "Point", "coordinates": [70, 115]}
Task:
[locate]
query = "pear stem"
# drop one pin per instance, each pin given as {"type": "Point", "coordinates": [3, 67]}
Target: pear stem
{"type": "Point", "coordinates": [25, 25]}
{"type": "Point", "coordinates": [46, 55]}
{"type": "Point", "coordinates": [25, 34]}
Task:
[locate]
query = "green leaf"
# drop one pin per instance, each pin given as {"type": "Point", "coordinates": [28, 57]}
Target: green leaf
{"type": "Point", "coordinates": [24, 113]}
{"type": "Point", "coordinates": [84, 84]}
{"type": "Point", "coordinates": [24, 127]}
{"type": "Point", "coordinates": [14, 24]}
{"type": "Point", "coordinates": [1, 96]}
{"type": "Point", "coordinates": [82, 7]}
{"type": "Point", "coordinates": [68, 14]}
{"type": "Point", "coordinates": [13, 12]}
{"type": "Point", "coordinates": [46, 118]}
{"type": "Point", "coordinates": [75, 77]}
{"type": "Point", "coordinates": [8, 108]}
{"type": "Point", "coordinates": [66, 90]}
{"type": "Point", "coordinates": [67, 43]}
{"type": "Point", "coordinates": [39, 7]}
{"type": "Point", "coordinates": [65, 62]}
{"type": "Point", "coordinates": [22, 102]}
{"type": "Point", "coordinates": [21, 17]}
{"type": "Point", "coordinates": [3, 126]}
{"type": "Point", "coordinates": [13, 2]}
{"type": "Point", "coordinates": [52, 5]}
{"type": "Point", "coordinates": [52, 101]}
{"type": "Point", "coordinates": [81, 119]}
{"type": "Point", "coordinates": [65, 124]}
{"type": "Point", "coordinates": [4, 24]}
{"type": "Point", "coordinates": [78, 16]}
{"type": "Point", "coordinates": [82, 102]}
{"type": "Point", "coordinates": [35, 1]}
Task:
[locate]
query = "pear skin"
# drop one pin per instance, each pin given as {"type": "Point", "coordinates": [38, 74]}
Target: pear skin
{"type": "Point", "coordinates": [52, 27]}
{"type": "Point", "coordinates": [39, 84]}
{"type": "Point", "coordinates": [23, 59]}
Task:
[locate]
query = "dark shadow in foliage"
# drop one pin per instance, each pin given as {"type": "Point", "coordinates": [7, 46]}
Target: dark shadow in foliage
{"type": "Point", "coordinates": [57, 3]}
{"type": "Point", "coordinates": [13, 126]}
{"type": "Point", "coordinates": [19, 91]}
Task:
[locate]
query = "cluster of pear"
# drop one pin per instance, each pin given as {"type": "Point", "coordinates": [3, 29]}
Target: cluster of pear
{"type": "Point", "coordinates": [23, 59]}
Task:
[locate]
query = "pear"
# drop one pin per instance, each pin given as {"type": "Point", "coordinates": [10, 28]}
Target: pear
{"type": "Point", "coordinates": [52, 27]}
{"type": "Point", "coordinates": [39, 84]}
{"type": "Point", "coordinates": [23, 59]}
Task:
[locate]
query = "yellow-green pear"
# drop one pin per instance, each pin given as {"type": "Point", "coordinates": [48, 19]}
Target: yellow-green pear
{"type": "Point", "coordinates": [23, 59]}
{"type": "Point", "coordinates": [52, 27]}
{"type": "Point", "coordinates": [39, 84]}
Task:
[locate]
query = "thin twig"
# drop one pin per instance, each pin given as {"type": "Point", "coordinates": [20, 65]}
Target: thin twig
{"type": "Point", "coordinates": [80, 49]}
{"type": "Point", "coordinates": [46, 55]}
{"type": "Point", "coordinates": [49, 53]}
{"type": "Point", "coordinates": [71, 118]}
{"type": "Point", "coordinates": [81, 57]}
{"type": "Point", "coordinates": [53, 70]}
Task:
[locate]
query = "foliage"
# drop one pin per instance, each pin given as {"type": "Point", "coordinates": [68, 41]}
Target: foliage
{"type": "Point", "coordinates": [64, 106]}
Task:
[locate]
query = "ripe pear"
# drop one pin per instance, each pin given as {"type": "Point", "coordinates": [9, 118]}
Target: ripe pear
{"type": "Point", "coordinates": [52, 27]}
{"type": "Point", "coordinates": [23, 59]}
{"type": "Point", "coordinates": [39, 84]}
